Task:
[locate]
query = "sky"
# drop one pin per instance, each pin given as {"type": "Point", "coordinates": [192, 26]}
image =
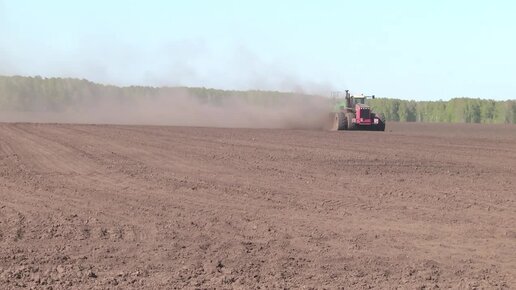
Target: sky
{"type": "Point", "coordinates": [422, 50]}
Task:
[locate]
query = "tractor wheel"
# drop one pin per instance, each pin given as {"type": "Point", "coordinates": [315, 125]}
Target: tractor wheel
{"type": "Point", "coordinates": [339, 122]}
{"type": "Point", "coordinates": [350, 124]}
{"type": "Point", "coordinates": [380, 126]}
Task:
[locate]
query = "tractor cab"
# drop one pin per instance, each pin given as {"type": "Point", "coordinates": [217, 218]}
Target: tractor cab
{"type": "Point", "coordinates": [359, 99]}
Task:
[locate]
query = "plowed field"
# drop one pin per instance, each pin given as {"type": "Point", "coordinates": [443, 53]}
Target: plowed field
{"type": "Point", "coordinates": [98, 206]}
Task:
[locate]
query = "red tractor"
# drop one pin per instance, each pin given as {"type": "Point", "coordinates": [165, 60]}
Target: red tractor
{"type": "Point", "coordinates": [351, 113]}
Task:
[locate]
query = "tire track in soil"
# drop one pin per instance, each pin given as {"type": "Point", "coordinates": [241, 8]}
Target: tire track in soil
{"type": "Point", "coordinates": [55, 162]}
{"type": "Point", "coordinates": [161, 207]}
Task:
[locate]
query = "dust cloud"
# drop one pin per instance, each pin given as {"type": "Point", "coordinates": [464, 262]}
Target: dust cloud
{"type": "Point", "coordinates": [295, 111]}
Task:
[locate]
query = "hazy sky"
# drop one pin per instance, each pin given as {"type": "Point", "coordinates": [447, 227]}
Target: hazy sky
{"type": "Point", "coordinates": [407, 49]}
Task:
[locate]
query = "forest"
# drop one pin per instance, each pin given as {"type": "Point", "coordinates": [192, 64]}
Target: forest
{"type": "Point", "coordinates": [38, 94]}
{"type": "Point", "coordinates": [456, 110]}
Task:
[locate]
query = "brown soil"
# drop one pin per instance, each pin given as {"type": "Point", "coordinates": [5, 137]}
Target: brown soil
{"type": "Point", "coordinates": [94, 206]}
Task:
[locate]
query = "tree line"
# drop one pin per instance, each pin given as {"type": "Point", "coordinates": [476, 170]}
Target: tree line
{"type": "Point", "coordinates": [31, 94]}
{"type": "Point", "coordinates": [457, 110]}
{"type": "Point", "coordinates": [56, 94]}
